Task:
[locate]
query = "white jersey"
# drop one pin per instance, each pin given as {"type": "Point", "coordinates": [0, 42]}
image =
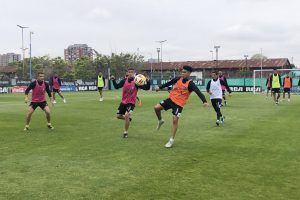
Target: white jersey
{"type": "Point", "coordinates": [215, 89]}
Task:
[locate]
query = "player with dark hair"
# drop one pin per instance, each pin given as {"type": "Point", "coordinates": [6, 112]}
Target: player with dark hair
{"type": "Point", "coordinates": [182, 88]}
{"type": "Point", "coordinates": [55, 84]}
{"type": "Point", "coordinates": [100, 84]}
{"type": "Point", "coordinates": [129, 95]}
{"type": "Point", "coordinates": [214, 88]}
{"type": "Point", "coordinates": [287, 85]}
{"type": "Point", "coordinates": [275, 82]}
{"type": "Point", "coordinates": [39, 87]}
{"type": "Point", "coordinates": [268, 84]}
{"type": "Point", "coordinates": [223, 78]}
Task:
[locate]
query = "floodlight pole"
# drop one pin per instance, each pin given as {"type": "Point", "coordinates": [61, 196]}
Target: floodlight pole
{"type": "Point", "coordinates": [161, 42]}
{"type": "Point", "coordinates": [23, 49]}
{"type": "Point", "coordinates": [30, 64]}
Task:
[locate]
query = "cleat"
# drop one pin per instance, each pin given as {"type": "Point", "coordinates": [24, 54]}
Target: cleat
{"type": "Point", "coordinates": [218, 123]}
{"type": "Point", "coordinates": [50, 127]}
{"type": "Point", "coordinates": [26, 128]}
{"type": "Point", "coordinates": [54, 102]}
{"type": "Point", "coordinates": [64, 100]}
{"type": "Point", "coordinates": [222, 119]}
{"type": "Point", "coordinates": [160, 122]}
{"type": "Point", "coordinates": [169, 143]}
{"type": "Point", "coordinates": [101, 99]}
{"type": "Point", "coordinates": [125, 135]}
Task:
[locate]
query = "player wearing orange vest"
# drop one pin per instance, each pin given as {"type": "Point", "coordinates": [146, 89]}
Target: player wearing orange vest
{"type": "Point", "coordinates": [287, 85]}
{"type": "Point", "coordinates": [182, 88]}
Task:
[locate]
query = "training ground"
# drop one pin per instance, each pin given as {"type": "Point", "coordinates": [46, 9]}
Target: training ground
{"type": "Point", "coordinates": [254, 155]}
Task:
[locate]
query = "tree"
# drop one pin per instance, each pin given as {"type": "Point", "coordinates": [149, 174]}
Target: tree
{"type": "Point", "coordinates": [85, 69]}
{"type": "Point", "coordinates": [259, 56]}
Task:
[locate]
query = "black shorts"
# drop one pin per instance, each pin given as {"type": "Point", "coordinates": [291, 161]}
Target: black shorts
{"type": "Point", "coordinates": [100, 89]}
{"type": "Point", "coordinates": [169, 104]}
{"type": "Point", "coordinates": [56, 90]}
{"type": "Point", "coordinates": [223, 92]}
{"type": "Point", "coordinates": [276, 90]}
{"type": "Point", "coordinates": [123, 108]}
{"type": "Point", "coordinates": [287, 89]}
{"type": "Point", "coordinates": [42, 105]}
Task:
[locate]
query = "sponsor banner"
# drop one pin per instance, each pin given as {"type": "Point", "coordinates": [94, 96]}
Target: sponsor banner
{"type": "Point", "coordinates": [22, 82]}
{"type": "Point", "coordinates": [4, 83]}
{"type": "Point", "coordinates": [198, 82]}
{"type": "Point", "coordinates": [18, 89]}
{"type": "Point", "coordinates": [68, 88]}
{"type": "Point", "coordinates": [87, 88]}
{"type": "Point", "coordinates": [244, 88]}
{"type": "Point", "coordinates": [85, 83]}
{"type": "Point", "coordinates": [3, 90]}
{"type": "Point", "coordinates": [67, 83]}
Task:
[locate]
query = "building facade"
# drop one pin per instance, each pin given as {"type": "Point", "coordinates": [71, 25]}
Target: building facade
{"type": "Point", "coordinates": [5, 59]}
{"type": "Point", "coordinates": [230, 68]}
{"type": "Point", "coordinates": [77, 51]}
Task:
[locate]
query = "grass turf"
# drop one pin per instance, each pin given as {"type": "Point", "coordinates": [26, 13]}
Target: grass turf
{"type": "Point", "coordinates": [255, 155]}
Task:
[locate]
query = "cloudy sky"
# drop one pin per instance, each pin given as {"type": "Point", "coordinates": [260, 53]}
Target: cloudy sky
{"type": "Point", "coordinates": [191, 27]}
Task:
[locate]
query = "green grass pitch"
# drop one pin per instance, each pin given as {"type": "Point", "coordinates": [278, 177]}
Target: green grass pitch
{"type": "Point", "coordinates": [255, 155]}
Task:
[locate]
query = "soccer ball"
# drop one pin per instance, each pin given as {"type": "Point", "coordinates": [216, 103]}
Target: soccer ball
{"type": "Point", "coordinates": [140, 79]}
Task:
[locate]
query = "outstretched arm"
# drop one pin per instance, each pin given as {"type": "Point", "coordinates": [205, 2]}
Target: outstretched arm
{"type": "Point", "coordinates": [192, 87]}
{"type": "Point", "coordinates": [118, 85]}
{"type": "Point", "coordinates": [169, 83]}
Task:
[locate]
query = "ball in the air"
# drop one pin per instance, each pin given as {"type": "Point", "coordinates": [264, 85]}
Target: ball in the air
{"type": "Point", "coordinates": [140, 79]}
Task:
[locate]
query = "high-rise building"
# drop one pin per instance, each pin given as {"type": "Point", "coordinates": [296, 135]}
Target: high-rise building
{"type": "Point", "coordinates": [9, 58]}
{"type": "Point", "coordinates": [76, 51]}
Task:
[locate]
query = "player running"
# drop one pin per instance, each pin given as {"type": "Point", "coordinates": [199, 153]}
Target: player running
{"type": "Point", "coordinates": [38, 99]}
{"type": "Point", "coordinates": [55, 84]}
{"type": "Point", "coordinates": [214, 88]}
{"type": "Point", "coordinates": [182, 88]}
{"type": "Point", "coordinates": [129, 95]}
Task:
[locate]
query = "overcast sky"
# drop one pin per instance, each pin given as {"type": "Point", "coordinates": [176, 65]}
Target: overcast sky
{"type": "Point", "coordinates": [191, 27]}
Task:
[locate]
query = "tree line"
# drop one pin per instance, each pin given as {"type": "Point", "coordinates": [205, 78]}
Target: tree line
{"type": "Point", "coordinates": [85, 68]}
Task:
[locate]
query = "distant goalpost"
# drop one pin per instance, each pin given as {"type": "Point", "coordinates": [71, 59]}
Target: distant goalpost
{"type": "Point", "coordinates": [264, 79]}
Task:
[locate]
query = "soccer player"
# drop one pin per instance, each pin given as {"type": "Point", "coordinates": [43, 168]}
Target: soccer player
{"type": "Point", "coordinates": [182, 88]}
{"type": "Point", "coordinates": [100, 84]}
{"type": "Point", "coordinates": [129, 94]}
{"type": "Point", "coordinates": [223, 78]}
{"type": "Point", "coordinates": [275, 83]}
{"type": "Point", "coordinates": [38, 99]}
{"type": "Point", "coordinates": [268, 84]}
{"type": "Point", "coordinates": [137, 98]}
{"type": "Point", "coordinates": [214, 88]}
{"type": "Point", "coordinates": [55, 84]}
{"type": "Point", "coordinates": [287, 85]}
